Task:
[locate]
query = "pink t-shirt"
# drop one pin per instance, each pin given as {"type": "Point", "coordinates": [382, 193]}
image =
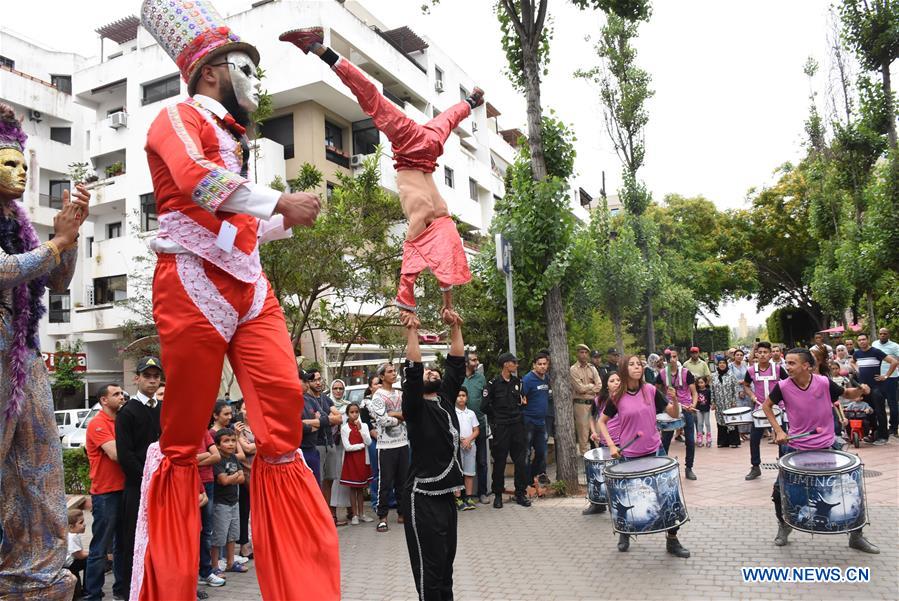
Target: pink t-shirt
{"type": "Point", "coordinates": [636, 412]}
{"type": "Point", "coordinates": [613, 425]}
{"type": "Point", "coordinates": [808, 409]}
{"type": "Point", "coordinates": [763, 380]}
{"type": "Point", "coordinates": [681, 383]}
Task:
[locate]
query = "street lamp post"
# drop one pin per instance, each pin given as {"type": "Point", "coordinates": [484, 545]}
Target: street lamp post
{"type": "Point", "coordinates": [504, 264]}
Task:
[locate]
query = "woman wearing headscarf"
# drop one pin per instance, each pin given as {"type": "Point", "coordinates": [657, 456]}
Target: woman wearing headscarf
{"type": "Point", "coordinates": [340, 494]}
{"type": "Point", "coordinates": [724, 389]}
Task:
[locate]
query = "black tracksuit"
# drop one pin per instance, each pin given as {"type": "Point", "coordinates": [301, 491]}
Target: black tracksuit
{"type": "Point", "coordinates": [136, 427]}
{"type": "Point", "coordinates": [434, 474]}
{"type": "Point", "coordinates": [502, 404]}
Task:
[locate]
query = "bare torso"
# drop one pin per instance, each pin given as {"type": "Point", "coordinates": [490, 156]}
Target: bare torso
{"type": "Point", "coordinates": [421, 201]}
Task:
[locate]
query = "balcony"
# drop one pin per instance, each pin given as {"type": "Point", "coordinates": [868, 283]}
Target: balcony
{"type": "Point", "coordinates": [115, 256]}
{"type": "Point", "coordinates": [35, 94]}
{"type": "Point", "coordinates": [335, 155]}
{"type": "Point", "coordinates": [105, 139]}
{"type": "Point", "coordinates": [99, 318]}
{"type": "Point", "coordinates": [103, 78]}
{"type": "Point", "coordinates": [54, 155]}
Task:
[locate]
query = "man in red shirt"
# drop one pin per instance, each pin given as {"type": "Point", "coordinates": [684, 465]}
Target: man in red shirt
{"type": "Point", "coordinates": [107, 483]}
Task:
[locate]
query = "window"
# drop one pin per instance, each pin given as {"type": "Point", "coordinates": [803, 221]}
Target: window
{"type": "Point", "coordinates": [448, 177]}
{"type": "Point", "coordinates": [148, 220]}
{"type": "Point", "coordinates": [333, 135]}
{"type": "Point", "coordinates": [110, 289]}
{"type": "Point", "coordinates": [280, 130]}
{"type": "Point", "coordinates": [7, 62]}
{"type": "Point", "coordinates": [334, 145]}
{"type": "Point", "coordinates": [463, 93]}
{"type": "Point", "coordinates": [62, 135]}
{"type": "Point", "coordinates": [60, 307]}
{"type": "Point", "coordinates": [438, 76]}
{"type": "Point", "coordinates": [57, 186]}
{"type": "Point", "coordinates": [365, 137]}
{"type": "Point", "coordinates": [113, 230]}
{"type": "Point", "coordinates": [473, 189]}
{"type": "Point", "coordinates": [394, 98]}
{"type": "Point", "coordinates": [89, 247]}
{"type": "Point", "coordinates": [162, 89]}
{"type": "Point", "coordinates": [63, 83]}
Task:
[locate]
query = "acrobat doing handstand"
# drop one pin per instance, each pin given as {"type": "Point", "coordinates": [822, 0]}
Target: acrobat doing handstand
{"type": "Point", "coordinates": [432, 241]}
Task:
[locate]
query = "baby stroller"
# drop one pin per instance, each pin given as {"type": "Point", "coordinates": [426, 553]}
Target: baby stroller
{"type": "Point", "coordinates": [859, 425]}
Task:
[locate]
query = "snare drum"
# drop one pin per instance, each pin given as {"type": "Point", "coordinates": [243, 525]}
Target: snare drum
{"type": "Point", "coordinates": [645, 495]}
{"type": "Point", "coordinates": [822, 492]}
{"type": "Point", "coordinates": [760, 420]}
{"type": "Point", "coordinates": [736, 416]}
{"type": "Point", "coordinates": [594, 462]}
{"type": "Point", "coordinates": [666, 422]}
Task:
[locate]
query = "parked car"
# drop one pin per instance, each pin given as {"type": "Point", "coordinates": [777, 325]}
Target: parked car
{"type": "Point", "coordinates": [68, 419]}
{"type": "Point", "coordinates": [356, 392]}
{"type": "Point", "coordinates": [77, 438]}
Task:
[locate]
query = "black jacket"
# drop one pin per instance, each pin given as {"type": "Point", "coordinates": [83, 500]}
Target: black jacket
{"type": "Point", "coordinates": [433, 429]}
{"type": "Point", "coordinates": [136, 427]}
{"type": "Point", "coordinates": [502, 400]}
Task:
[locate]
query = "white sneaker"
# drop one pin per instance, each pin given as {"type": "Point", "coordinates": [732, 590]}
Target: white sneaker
{"type": "Point", "coordinates": [240, 559]}
{"type": "Point", "coordinates": [354, 521]}
{"type": "Point", "coordinates": [367, 518]}
{"type": "Point", "coordinates": [212, 580]}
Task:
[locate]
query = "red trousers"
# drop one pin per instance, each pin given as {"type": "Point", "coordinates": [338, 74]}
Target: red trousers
{"type": "Point", "coordinates": [203, 314]}
{"type": "Point", "coordinates": [415, 146]}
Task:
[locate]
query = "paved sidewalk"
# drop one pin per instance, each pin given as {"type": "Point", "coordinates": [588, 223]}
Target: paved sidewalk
{"type": "Point", "coordinates": [550, 551]}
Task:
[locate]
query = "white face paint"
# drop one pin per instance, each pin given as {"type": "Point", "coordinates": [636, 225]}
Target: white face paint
{"type": "Point", "coordinates": [244, 81]}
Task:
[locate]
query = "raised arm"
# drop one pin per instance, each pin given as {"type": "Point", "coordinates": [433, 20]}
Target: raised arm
{"type": "Point", "coordinates": [454, 373]}
{"type": "Point", "coordinates": [413, 375]}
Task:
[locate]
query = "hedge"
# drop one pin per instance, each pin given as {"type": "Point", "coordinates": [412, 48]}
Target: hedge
{"type": "Point", "coordinates": [77, 471]}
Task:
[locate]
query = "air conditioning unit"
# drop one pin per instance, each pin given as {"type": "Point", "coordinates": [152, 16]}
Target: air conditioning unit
{"type": "Point", "coordinates": [438, 85]}
{"type": "Point", "coordinates": [356, 160]}
{"type": "Point", "coordinates": [118, 119]}
{"type": "Point", "coordinates": [35, 116]}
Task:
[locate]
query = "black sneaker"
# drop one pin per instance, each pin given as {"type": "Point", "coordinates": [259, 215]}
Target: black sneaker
{"type": "Point", "coordinates": [673, 546]}
{"type": "Point", "coordinates": [754, 473]}
{"type": "Point", "coordinates": [522, 500]}
{"type": "Point", "coordinates": [498, 502]}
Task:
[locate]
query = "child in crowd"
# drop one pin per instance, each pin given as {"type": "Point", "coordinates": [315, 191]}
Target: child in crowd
{"type": "Point", "coordinates": [225, 511]}
{"type": "Point", "coordinates": [356, 473]}
{"type": "Point", "coordinates": [76, 559]}
{"type": "Point", "coordinates": [468, 434]}
{"type": "Point", "coordinates": [703, 412]}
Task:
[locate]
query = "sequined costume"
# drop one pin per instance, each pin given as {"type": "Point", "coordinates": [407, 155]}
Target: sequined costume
{"type": "Point", "coordinates": [32, 495]}
{"type": "Point", "coordinates": [211, 299]}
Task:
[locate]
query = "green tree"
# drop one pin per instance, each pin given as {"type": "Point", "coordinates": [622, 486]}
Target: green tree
{"type": "Point", "coordinates": [355, 261]}
{"type": "Point", "coordinates": [624, 89]}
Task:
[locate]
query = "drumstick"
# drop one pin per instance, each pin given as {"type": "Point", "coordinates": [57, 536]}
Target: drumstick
{"type": "Point", "coordinates": [631, 441]}
{"type": "Point", "coordinates": [817, 430]}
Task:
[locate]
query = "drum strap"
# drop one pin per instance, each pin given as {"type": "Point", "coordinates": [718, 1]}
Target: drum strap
{"type": "Point", "coordinates": [765, 379]}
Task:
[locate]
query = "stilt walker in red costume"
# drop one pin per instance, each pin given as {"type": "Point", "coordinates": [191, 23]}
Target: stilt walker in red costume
{"type": "Point", "coordinates": [432, 241]}
{"type": "Point", "coordinates": [211, 300]}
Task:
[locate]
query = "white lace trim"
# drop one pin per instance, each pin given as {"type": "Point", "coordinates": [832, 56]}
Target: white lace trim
{"type": "Point", "coordinates": [141, 536]}
{"type": "Point", "coordinates": [183, 230]}
{"type": "Point", "coordinates": [227, 144]}
{"type": "Point", "coordinates": [207, 298]}
{"type": "Point", "coordinates": [259, 295]}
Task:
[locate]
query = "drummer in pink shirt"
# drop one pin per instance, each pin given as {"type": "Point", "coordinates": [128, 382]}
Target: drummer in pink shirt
{"type": "Point", "coordinates": [635, 404]}
{"type": "Point", "coordinates": [808, 398]}
{"type": "Point", "coordinates": [610, 384]}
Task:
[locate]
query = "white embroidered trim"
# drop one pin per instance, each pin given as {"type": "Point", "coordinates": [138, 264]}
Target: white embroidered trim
{"type": "Point", "coordinates": [227, 144]}
{"type": "Point", "coordinates": [183, 230]}
{"type": "Point", "coordinates": [207, 298]}
{"type": "Point", "coordinates": [259, 294]}
{"type": "Point", "coordinates": [141, 536]}
{"type": "Point", "coordinates": [449, 467]}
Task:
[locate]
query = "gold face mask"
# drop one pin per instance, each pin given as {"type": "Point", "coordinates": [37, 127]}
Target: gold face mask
{"type": "Point", "coordinates": [13, 173]}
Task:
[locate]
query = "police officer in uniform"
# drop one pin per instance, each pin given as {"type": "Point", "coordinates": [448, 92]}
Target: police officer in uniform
{"type": "Point", "coordinates": [502, 405]}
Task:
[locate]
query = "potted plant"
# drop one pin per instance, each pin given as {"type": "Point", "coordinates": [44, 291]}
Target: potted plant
{"type": "Point", "coordinates": [117, 168]}
{"type": "Point", "coordinates": [81, 172]}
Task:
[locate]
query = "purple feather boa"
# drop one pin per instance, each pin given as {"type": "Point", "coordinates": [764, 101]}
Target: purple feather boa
{"type": "Point", "coordinates": [27, 310]}
{"type": "Point", "coordinates": [11, 130]}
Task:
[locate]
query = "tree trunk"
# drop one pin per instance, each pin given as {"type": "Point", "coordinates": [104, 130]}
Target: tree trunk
{"type": "Point", "coordinates": [872, 326]}
{"type": "Point", "coordinates": [619, 337]}
{"type": "Point", "coordinates": [534, 115]}
{"type": "Point", "coordinates": [888, 94]}
{"type": "Point", "coordinates": [650, 325]}
{"type": "Point", "coordinates": [566, 444]}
